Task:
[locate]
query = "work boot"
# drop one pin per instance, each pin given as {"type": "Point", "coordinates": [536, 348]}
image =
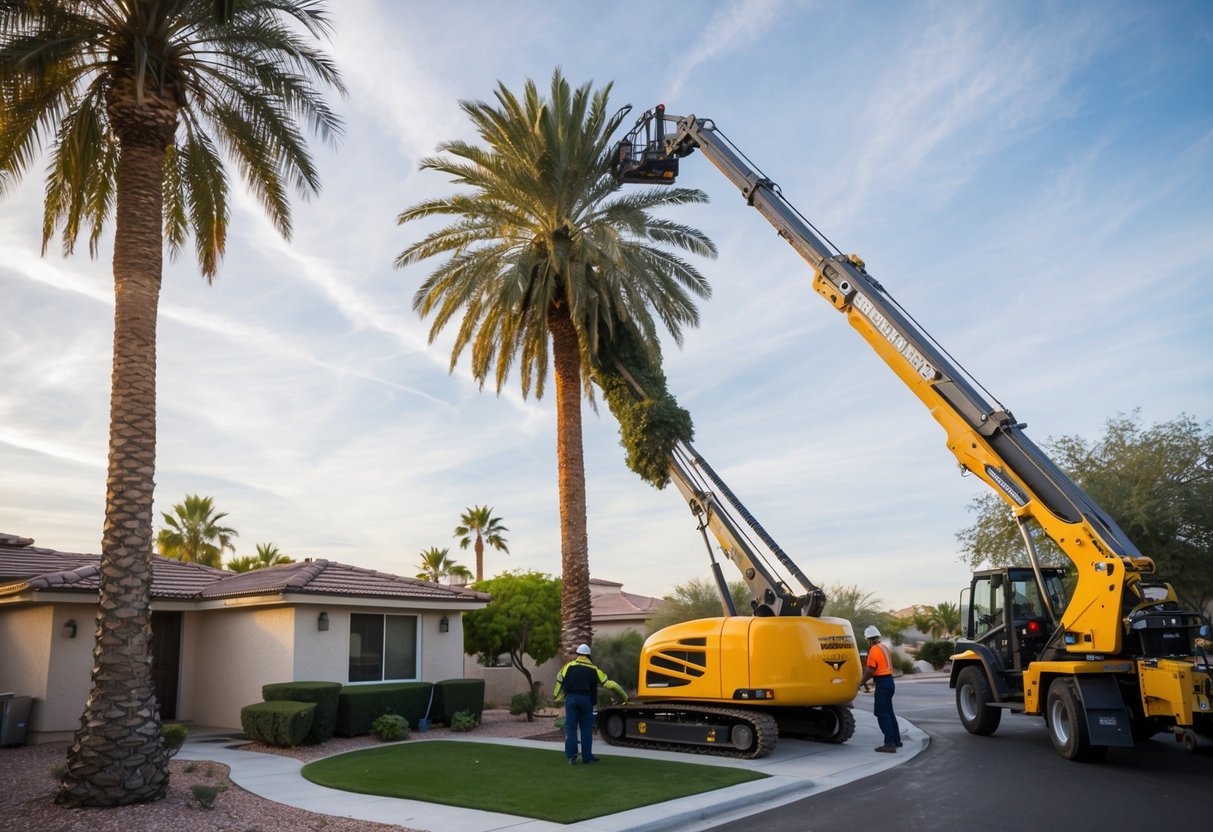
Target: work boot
{"type": "Point", "coordinates": [887, 749]}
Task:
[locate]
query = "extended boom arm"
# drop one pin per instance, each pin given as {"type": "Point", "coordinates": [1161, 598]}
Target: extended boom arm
{"type": "Point", "coordinates": [985, 439]}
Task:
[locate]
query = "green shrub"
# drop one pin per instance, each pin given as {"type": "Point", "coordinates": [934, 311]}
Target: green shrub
{"type": "Point", "coordinates": [937, 652]}
{"type": "Point", "coordinates": [451, 696]}
{"type": "Point", "coordinates": [174, 734]}
{"type": "Point", "coordinates": [463, 721]}
{"type": "Point", "coordinates": [205, 794]}
{"type": "Point", "coordinates": [281, 724]}
{"type": "Point", "coordinates": [359, 705]}
{"type": "Point", "coordinates": [390, 727]}
{"type": "Point", "coordinates": [525, 703]}
{"type": "Point", "coordinates": [324, 694]}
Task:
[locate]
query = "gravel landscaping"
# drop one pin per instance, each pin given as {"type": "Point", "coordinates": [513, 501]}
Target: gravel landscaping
{"type": "Point", "coordinates": [27, 790]}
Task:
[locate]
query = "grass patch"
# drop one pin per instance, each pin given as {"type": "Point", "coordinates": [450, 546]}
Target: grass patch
{"type": "Point", "coordinates": [530, 782]}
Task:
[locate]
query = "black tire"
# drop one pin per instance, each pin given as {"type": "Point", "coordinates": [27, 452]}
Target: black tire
{"type": "Point", "coordinates": [973, 698]}
{"type": "Point", "coordinates": [843, 725]}
{"type": "Point", "coordinates": [743, 737]}
{"type": "Point", "coordinates": [1067, 721]}
{"type": "Point", "coordinates": [612, 727]}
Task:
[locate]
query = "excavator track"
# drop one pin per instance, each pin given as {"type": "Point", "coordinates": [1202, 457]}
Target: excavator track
{"type": "Point", "coordinates": [675, 726]}
{"type": "Point", "coordinates": [833, 724]}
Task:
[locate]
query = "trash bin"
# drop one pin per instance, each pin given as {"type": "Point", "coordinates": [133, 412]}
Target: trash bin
{"type": "Point", "coordinates": [14, 717]}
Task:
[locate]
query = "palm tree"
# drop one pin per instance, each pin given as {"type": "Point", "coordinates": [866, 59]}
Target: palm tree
{"type": "Point", "coordinates": [141, 98]}
{"type": "Point", "coordinates": [194, 534]}
{"type": "Point", "coordinates": [544, 254]}
{"type": "Point", "coordinates": [436, 564]}
{"type": "Point", "coordinates": [478, 526]}
{"type": "Point", "coordinates": [267, 556]}
{"type": "Point", "coordinates": [939, 620]}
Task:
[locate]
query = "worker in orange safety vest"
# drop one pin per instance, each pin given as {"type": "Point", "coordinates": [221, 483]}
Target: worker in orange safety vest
{"type": "Point", "coordinates": [879, 670]}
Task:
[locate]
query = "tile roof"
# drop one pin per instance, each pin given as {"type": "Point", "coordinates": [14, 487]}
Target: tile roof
{"type": "Point", "coordinates": [325, 577]}
{"type": "Point", "coordinates": [624, 605]}
{"type": "Point", "coordinates": [24, 566]}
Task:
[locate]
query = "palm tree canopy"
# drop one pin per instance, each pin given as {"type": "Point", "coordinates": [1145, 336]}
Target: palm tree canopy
{"type": "Point", "coordinates": [545, 225]}
{"type": "Point", "coordinates": [478, 524]}
{"type": "Point", "coordinates": [267, 555]}
{"type": "Point", "coordinates": [436, 564]}
{"type": "Point", "coordinates": [194, 534]}
{"type": "Point", "coordinates": [238, 84]}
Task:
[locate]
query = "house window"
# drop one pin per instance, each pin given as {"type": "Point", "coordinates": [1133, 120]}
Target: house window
{"type": "Point", "coordinates": [383, 647]}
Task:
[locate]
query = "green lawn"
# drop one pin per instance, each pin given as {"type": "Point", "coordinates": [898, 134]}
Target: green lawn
{"type": "Point", "coordinates": [530, 782]}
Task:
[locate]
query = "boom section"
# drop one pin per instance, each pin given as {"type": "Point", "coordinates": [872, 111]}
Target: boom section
{"type": "Point", "coordinates": [719, 511]}
{"type": "Point", "coordinates": [985, 439]}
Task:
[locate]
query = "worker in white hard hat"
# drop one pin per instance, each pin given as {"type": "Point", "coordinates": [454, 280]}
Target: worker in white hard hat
{"type": "Point", "coordinates": [577, 683]}
{"type": "Point", "coordinates": [879, 670]}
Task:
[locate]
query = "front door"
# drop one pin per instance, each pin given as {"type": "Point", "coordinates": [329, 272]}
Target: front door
{"type": "Point", "coordinates": [166, 660]}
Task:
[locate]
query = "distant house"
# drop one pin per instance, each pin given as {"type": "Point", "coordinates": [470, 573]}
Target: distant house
{"type": "Point", "coordinates": [218, 636]}
{"type": "Point", "coordinates": [612, 612]}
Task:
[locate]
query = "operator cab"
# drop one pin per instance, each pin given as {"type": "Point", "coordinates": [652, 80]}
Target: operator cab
{"type": "Point", "coordinates": [1007, 611]}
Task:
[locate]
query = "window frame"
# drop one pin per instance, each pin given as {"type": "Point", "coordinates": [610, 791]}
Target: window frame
{"type": "Point", "coordinates": [383, 648]}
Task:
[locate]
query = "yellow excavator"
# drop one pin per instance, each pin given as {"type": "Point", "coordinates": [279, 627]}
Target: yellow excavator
{"type": "Point", "coordinates": [1113, 660]}
{"type": "Point", "coordinates": [732, 685]}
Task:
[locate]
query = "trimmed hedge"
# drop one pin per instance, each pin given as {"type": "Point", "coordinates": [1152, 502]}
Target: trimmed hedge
{"type": "Point", "coordinates": [282, 724]}
{"type": "Point", "coordinates": [454, 695]}
{"type": "Point", "coordinates": [360, 705]}
{"type": "Point", "coordinates": [324, 694]}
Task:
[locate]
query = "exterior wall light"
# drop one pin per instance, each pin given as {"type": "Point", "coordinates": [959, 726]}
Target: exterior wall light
{"type": "Point", "coordinates": [444, 625]}
{"type": "Point", "coordinates": [69, 628]}
{"type": "Point", "coordinates": [322, 623]}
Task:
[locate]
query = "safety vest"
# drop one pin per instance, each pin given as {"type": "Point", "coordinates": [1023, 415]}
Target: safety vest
{"type": "Point", "coordinates": [579, 676]}
{"type": "Point", "coordinates": [880, 660]}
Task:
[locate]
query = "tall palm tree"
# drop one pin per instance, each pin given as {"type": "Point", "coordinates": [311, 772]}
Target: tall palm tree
{"type": "Point", "coordinates": [194, 534]}
{"type": "Point", "coordinates": [478, 526]}
{"type": "Point", "coordinates": [137, 99]}
{"type": "Point", "coordinates": [544, 254]}
{"type": "Point", "coordinates": [436, 564]}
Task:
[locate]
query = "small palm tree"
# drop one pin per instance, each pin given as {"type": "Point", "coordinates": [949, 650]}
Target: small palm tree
{"type": "Point", "coordinates": [139, 102]}
{"type": "Point", "coordinates": [194, 534]}
{"type": "Point", "coordinates": [544, 255]}
{"type": "Point", "coordinates": [478, 526]}
{"type": "Point", "coordinates": [436, 564]}
{"type": "Point", "coordinates": [267, 556]}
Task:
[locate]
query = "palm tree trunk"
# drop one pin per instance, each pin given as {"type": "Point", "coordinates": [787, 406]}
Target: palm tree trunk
{"type": "Point", "coordinates": [479, 557]}
{"type": "Point", "coordinates": [575, 616]}
{"type": "Point", "coordinates": [119, 756]}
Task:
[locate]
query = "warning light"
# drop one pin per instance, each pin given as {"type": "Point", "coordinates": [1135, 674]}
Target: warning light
{"type": "Point", "coordinates": [1033, 628]}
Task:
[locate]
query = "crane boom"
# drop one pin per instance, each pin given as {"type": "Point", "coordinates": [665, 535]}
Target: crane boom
{"type": "Point", "coordinates": [985, 439]}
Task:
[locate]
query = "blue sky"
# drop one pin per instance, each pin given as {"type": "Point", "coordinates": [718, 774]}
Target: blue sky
{"type": "Point", "coordinates": [1031, 180]}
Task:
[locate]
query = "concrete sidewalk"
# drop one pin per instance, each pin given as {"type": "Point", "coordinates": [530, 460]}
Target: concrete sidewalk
{"type": "Point", "coordinates": [797, 769]}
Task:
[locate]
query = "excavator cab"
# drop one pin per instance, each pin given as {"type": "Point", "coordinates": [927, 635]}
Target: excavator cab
{"type": "Point", "coordinates": [1013, 615]}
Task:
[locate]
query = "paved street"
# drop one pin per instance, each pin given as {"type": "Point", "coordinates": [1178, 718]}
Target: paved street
{"type": "Point", "coordinates": [1009, 782]}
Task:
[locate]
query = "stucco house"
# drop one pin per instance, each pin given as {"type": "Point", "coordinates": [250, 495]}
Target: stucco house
{"type": "Point", "coordinates": [218, 636]}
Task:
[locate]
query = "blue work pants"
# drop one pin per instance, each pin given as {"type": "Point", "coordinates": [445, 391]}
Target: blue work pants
{"type": "Point", "coordinates": [882, 709]}
{"type": "Point", "coordinates": [578, 720]}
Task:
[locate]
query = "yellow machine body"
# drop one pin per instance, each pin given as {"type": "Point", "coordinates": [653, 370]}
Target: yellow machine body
{"type": "Point", "coordinates": [785, 661]}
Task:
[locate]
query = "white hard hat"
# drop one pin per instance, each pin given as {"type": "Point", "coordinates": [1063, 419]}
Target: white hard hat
{"type": "Point", "coordinates": [583, 649]}
{"type": "Point", "coordinates": [871, 632]}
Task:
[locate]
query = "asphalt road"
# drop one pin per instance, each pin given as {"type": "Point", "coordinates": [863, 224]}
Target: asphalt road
{"type": "Point", "coordinates": [1010, 781]}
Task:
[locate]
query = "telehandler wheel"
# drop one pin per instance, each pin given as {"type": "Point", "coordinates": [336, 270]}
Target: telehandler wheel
{"type": "Point", "coordinates": [1067, 720]}
{"type": "Point", "coordinates": [973, 697]}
